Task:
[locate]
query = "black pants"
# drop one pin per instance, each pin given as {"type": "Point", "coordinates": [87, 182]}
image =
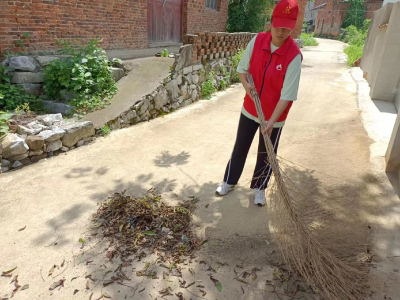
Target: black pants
{"type": "Point", "coordinates": [245, 135]}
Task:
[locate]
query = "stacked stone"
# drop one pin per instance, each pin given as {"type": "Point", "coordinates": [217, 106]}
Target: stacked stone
{"type": "Point", "coordinates": [214, 45]}
{"type": "Point", "coordinates": [43, 138]}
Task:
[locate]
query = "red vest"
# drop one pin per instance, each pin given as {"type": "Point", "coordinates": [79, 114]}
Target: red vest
{"type": "Point", "coordinates": [268, 71]}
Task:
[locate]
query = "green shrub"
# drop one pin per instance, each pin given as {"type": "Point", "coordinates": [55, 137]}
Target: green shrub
{"type": "Point", "coordinates": [235, 61]}
{"type": "Point", "coordinates": [165, 53]}
{"type": "Point", "coordinates": [12, 95]}
{"type": "Point", "coordinates": [4, 117]}
{"type": "Point", "coordinates": [309, 39]}
{"type": "Point", "coordinates": [356, 39]}
{"type": "Point", "coordinates": [86, 75]}
{"type": "Point", "coordinates": [208, 88]}
{"type": "Point", "coordinates": [353, 52]}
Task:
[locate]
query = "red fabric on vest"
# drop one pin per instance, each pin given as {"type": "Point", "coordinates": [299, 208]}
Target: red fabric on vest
{"type": "Point", "coordinates": [268, 71]}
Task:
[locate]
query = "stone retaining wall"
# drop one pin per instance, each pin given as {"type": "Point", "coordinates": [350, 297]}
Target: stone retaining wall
{"type": "Point", "coordinates": [48, 135]}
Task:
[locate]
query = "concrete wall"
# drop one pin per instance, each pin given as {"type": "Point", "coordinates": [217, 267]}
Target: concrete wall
{"type": "Point", "coordinates": [393, 151]}
{"type": "Point", "coordinates": [397, 98]}
{"type": "Point", "coordinates": [381, 57]}
{"type": "Point", "coordinates": [389, 1]}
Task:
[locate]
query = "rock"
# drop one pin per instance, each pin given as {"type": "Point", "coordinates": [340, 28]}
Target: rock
{"type": "Point", "coordinates": [35, 142]}
{"type": "Point", "coordinates": [32, 88]}
{"type": "Point", "coordinates": [184, 92]}
{"type": "Point", "coordinates": [187, 102]}
{"type": "Point", "coordinates": [195, 78]}
{"type": "Point", "coordinates": [53, 146]}
{"type": "Point", "coordinates": [51, 136]}
{"type": "Point", "coordinates": [166, 110]}
{"type": "Point", "coordinates": [35, 152]}
{"type": "Point", "coordinates": [77, 131]}
{"type": "Point", "coordinates": [193, 87]}
{"type": "Point", "coordinates": [27, 77]}
{"type": "Point", "coordinates": [26, 161]}
{"type": "Point", "coordinates": [198, 67]}
{"type": "Point", "coordinates": [36, 158]}
{"type": "Point", "coordinates": [57, 107]}
{"type": "Point", "coordinates": [142, 106]}
{"type": "Point", "coordinates": [17, 164]}
{"type": "Point", "coordinates": [116, 124]}
{"type": "Point", "coordinates": [184, 58]}
{"type": "Point", "coordinates": [36, 127]}
{"type": "Point", "coordinates": [179, 79]}
{"type": "Point", "coordinates": [49, 120]}
{"type": "Point", "coordinates": [117, 73]}
{"type": "Point", "coordinates": [188, 78]}
{"type": "Point", "coordinates": [5, 163]}
{"type": "Point", "coordinates": [23, 130]}
{"type": "Point", "coordinates": [64, 149]}
{"type": "Point", "coordinates": [23, 63]}
{"type": "Point", "coordinates": [4, 169]}
{"type": "Point", "coordinates": [187, 70]}
{"type": "Point", "coordinates": [299, 42]}
{"type": "Point", "coordinates": [161, 98]}
{"type": "Point", "coordinates": [175, 106]}
{"type": "Point", "coordinates": [13, 146]}
{"type": "Point", "coordinates": [80, 143]}
{"type": "Point", "coordinates": [44, 61]}
{"type": "Point", "coordinates": [172, 87]}
{"type": "Point", "coordinates": [67, 96]}
{"type": "Point", "coordinates": [19, 157]}
{"type": "Point", "coordinates": [194, 95]}
{"type": "Point", "coordinates": [128, 117]}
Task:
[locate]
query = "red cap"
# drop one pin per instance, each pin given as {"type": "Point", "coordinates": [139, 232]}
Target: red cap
{"type": "Point", "coordinates": [285, 14]}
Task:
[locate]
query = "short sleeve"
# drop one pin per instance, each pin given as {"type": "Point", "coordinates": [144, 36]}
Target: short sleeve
{"type": "Point", "coordinates": [244, 64]}
{"type": "Point", "coordinates": [292, 79]}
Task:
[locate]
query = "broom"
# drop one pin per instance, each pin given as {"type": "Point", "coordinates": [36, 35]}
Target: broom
{"type": "Point", "coordinates": [334, 278]}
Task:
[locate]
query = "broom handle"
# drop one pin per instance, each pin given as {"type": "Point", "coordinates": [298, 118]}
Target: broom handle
{"type": "Point", "coordinates": [270, 148]}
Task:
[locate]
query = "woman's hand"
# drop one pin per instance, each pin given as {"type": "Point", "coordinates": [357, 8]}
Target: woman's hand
{"type": "Point", "coordinates": [248, 87]}
{"type": "Point", "coordinates": [268, 129]}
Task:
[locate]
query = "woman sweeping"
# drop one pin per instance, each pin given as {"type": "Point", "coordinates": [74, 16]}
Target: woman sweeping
{"type": "Point", "coordinates": [274, 60]}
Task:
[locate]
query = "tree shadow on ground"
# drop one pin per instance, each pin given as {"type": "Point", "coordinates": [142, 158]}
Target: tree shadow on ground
{"type": "Point", "coordinates": [166, 160]}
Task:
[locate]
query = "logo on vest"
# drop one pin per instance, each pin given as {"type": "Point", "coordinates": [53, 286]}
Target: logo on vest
{"type": "Point", "coordinates": [279, 67]}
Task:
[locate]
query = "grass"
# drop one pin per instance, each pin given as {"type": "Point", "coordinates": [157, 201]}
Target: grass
{"type": "Point", "coordinates": [353, 52]}
{"type": "Point", "coordinates": [309, 39]}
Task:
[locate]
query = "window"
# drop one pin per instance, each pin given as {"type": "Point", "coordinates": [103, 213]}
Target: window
{"type": "Point", "coordinates": [212, 4]}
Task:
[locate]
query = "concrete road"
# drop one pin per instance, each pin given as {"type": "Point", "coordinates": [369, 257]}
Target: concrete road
{"type": "Point", "coordinates": [185, 154]}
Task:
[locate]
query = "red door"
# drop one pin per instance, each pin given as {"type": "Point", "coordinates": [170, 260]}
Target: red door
{"type": "Point", "coordinates": [164, 20]}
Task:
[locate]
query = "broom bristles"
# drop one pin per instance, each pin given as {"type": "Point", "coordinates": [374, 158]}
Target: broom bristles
{"type": "Point", "coordinates": [333, 278]}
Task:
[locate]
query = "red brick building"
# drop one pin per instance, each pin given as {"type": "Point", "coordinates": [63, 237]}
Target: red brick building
{"type": "Point", "coordinates": [331, 14]}
{"type": "Point", "coordinates": [121, 24]}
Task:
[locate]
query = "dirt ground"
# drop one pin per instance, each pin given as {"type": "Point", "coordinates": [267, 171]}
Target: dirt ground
{"type": "Point", "coordinates": [184, 154]}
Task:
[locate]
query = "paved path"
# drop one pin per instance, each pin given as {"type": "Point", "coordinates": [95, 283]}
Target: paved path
{"type": "Point", "coordinates": [185, 154]}
{"type": "Point", "coordinates": [145, 76]}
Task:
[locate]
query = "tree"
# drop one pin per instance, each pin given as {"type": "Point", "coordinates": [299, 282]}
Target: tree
{"type": "Point", "coordinates": [248, 15]}
{"type": "Point", "coordinates": [355, 14]}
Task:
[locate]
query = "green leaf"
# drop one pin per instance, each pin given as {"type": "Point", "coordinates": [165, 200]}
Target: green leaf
{"type": "Point", "coordinates": [9, 271]}
{"type": "Point", "coordinates": [219, 286]}
{"type": "Point", "coordinates": [149, 233]}
{"type": "Point", "coordinates": [81, 240]}
{"type": "Point", "coordinates": [120, 227]}
{"type": "Point", "coordinates": [84, 60]}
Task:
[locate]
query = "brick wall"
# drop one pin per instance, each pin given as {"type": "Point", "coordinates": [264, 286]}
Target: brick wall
{"type": "Point", "coordinates": [299, 25]}
{"type": "Point", "coordinates": [334, 13]}
{"type": "Point", "coordinates": [210, 45]}
{"type": "Point", "coordinates": [371, 6]}
{"type": "Point", "coordinates": [198, 18]}
{"type": "Point", "coordinates": [120, 23]}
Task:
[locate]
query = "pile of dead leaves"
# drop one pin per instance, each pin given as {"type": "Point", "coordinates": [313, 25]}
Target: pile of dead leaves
{"type": "Point", "coordinates": [134, 224]}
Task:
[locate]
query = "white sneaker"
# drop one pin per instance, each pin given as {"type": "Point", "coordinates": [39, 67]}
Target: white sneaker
{"type": "Point", "coordinates": [259, 197]}
{"type": "Point", "coordinates": [223, 189]}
